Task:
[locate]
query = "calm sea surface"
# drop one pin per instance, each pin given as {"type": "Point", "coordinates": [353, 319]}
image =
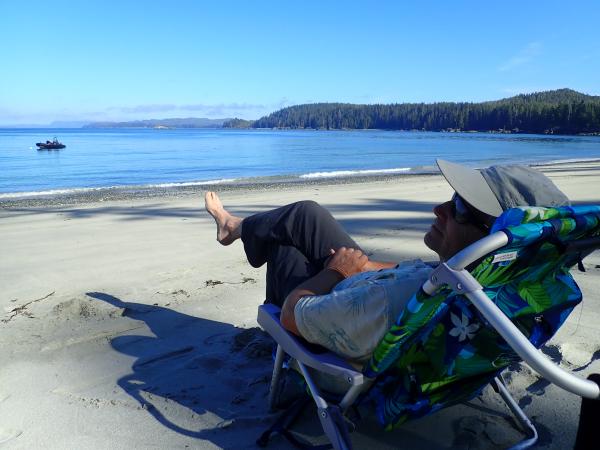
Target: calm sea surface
{"type": "Point", "coordinates": [142, 157]}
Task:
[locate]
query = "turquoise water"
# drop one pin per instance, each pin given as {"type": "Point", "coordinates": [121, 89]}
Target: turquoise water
{"type": "Point", "coordinates": [142, 157]}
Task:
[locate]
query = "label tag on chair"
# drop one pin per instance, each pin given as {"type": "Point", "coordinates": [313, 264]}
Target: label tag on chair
{"type": "Point", "coordinates": [504, 257]}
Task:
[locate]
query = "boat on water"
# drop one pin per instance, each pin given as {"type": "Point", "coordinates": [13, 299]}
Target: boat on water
{"type": "Point", "coordinates": [50, 145]}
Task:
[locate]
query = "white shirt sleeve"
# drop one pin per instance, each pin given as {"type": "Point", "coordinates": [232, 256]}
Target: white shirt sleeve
{"type": "Point", "coordinates": [349, 322]}
{"type": "Point", "coordinates": [352, 319]}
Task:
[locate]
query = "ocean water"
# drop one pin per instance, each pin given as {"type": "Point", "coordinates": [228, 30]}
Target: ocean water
{"type": "Point", "coordinates": [147, 157]}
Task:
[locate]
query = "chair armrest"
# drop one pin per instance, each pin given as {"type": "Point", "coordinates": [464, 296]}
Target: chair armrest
{"type": "Point", "coordinates": [328, 362]}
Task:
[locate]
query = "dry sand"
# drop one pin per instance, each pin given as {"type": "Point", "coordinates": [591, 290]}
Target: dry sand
{"type": "Point", "coordinates": [124, 324]}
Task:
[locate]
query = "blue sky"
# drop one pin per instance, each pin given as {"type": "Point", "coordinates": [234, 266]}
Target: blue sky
{"type": "Point", "coordinates": [125, 60]}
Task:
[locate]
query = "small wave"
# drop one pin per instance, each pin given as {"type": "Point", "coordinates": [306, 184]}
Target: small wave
{"type": "Point", "coordinates": [194, 183]}
{"type": "Point", "coordinates": [69, 191]}
{"type": "Point", "coordinates": [49, 192]}
{"type": "Point", "coordinates": [350, 173]}
{"type": "Point", "coordinates": [555, 162]}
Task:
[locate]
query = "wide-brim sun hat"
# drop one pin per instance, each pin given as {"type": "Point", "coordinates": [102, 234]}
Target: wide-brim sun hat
{"type": "Point", "coordinates": [495, 189]}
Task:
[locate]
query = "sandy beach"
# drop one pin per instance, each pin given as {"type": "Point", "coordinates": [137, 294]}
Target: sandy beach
{"type": "Point", "coordinates": [124, 324]}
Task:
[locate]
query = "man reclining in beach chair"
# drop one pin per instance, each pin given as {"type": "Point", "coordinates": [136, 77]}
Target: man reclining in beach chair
{"type": "Point", "coordinates": [440, 347]}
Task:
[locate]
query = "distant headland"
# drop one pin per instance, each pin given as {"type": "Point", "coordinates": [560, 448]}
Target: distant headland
{"type": "Point", "coordinates": [561, 111]}
{"type": "Point", "coordinates": [190, 122]}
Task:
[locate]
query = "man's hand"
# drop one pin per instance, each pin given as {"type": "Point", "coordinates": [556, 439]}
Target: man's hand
{"type": "Point", "coordinates": [347, 261]}
{"type": "Point", "coordinates": [343, 263]}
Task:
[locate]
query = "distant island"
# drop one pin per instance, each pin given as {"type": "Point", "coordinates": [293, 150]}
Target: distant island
{"type": "Point", "coordinates": [562, 111]}
{"type": "Point", "coordinates": [190, 122]}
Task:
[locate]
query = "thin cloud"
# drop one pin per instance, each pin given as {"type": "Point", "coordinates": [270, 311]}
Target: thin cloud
{"type": "Point", "coordinates": [8, 116]}
{"type": "Point", "coordinates": [524, 56]}
{"type": "Point", "coordinates": [204, 108]}
{"type": "Point", "coordinates": [143, 108]}
{"type": "Point", "coordinates": [233, 109]}
{"type": "Point", "coordinates": [221, 106]}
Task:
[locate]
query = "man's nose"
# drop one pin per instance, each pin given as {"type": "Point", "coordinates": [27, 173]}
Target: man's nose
{"type": "Point", "coordinates": [443, 209]}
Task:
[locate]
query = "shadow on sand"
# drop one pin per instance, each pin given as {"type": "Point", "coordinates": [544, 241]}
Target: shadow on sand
{"type": "Point", "coordinates": [209, 380]}
{"type": "Point", "coordinates": [198, 377]}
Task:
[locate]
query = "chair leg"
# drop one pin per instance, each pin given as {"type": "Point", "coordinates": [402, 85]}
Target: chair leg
{"type": "Point", "coordinates": [275, 388]}
{"type": "Point", "coordinates": [522, 418]}
{"type": "Point", "coordinates": [330, 416]}
{"type": "Point", "coordinates": [334, 427]}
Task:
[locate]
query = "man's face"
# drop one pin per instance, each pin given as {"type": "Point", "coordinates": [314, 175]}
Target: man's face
{"type": "Point", "coordinates": [446, 236]}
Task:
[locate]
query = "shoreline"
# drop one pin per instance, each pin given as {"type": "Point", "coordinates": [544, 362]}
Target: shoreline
{"type": "Point", "coordinates": [97, 195]}
{"type": "Point", "coordinates": [92, 195]}
{"type": "Point", "coordinates": [402, 130]}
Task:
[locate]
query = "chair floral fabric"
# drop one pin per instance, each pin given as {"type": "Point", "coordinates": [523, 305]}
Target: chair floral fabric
{"type": "Point", "coordinates": [441, 350]}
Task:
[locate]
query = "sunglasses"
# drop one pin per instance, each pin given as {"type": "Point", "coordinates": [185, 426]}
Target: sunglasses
{"type": "Point", "coordinates": [464, 213]}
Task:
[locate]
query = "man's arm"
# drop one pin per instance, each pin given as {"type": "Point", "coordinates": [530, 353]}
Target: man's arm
{"type": "Point", "coordinates": [343, 263]}
{"type": "Point", "coordinates": [378, 265]}
{"type": "Point", "coordinates": [321, 283]}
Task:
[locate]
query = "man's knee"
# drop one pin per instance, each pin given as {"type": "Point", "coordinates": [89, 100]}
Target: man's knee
{"type": "Point", "coordinates": [311, 208]}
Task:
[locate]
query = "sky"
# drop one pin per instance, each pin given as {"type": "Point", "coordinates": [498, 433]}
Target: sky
{"type": "Point", "coordinates": [129, 60]}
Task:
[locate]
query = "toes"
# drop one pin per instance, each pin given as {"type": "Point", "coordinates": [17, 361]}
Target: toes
{"type": "Point", "coordinates": [211, 201]}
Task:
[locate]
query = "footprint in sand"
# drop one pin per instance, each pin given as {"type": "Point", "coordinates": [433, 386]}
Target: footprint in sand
{"type": "Point", "coordinates": [253, 342]}
{"type": "Point", "coordinates": [209, 364]}
{"type": "Point", "coordinates": [8, 435]}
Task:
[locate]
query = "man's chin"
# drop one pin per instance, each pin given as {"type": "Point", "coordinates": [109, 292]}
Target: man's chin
{"type": "Point", "coordinates": [429, 240]}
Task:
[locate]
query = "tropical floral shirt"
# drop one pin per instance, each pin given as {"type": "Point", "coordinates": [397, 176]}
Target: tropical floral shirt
{"type": "Point", "coordinates": [352, 319]}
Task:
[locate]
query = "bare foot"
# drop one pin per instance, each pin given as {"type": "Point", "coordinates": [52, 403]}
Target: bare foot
{"type": "Point", "coordinates": [228, 226]}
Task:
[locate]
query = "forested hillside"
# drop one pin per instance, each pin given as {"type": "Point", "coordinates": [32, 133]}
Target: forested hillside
{"type": "Point", "coordinates": [562, 111]}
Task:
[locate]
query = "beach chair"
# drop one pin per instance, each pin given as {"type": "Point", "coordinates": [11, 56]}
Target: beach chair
{"type": "Point", "coordinates": [461, 329]}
